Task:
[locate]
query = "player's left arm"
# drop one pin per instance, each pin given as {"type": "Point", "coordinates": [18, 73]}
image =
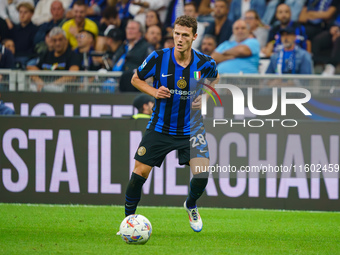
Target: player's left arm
{"type": "Point", "coordinates": [196, 104]}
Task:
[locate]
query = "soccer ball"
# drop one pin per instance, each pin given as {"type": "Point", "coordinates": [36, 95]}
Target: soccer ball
{"type": "Point", "coordinates": [135, 229]}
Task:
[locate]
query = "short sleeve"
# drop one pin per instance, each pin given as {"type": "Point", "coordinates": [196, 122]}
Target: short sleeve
{"type": "Point", "coordinates": [148, 67]}
{"type": "Point", "coordinates": [213, 73]}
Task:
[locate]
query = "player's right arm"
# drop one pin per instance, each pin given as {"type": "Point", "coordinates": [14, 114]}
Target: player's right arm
{"type": "Point", "coordinates": [147, 70]}
{"type": "Point", "coordinates": [161, 92]}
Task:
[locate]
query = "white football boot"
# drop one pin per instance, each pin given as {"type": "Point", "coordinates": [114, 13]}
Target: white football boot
{"type": "Point", "coordinates": [194, 218]}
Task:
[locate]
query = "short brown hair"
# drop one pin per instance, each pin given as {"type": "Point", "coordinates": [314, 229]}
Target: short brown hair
{"type": "Point", "coordinates": [27, 5]}
{"type": "Point", "coordinates": [187, 21]}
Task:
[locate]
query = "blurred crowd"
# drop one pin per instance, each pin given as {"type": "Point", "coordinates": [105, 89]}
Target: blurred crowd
{"type": "Point", "coordinates": [243, 36]}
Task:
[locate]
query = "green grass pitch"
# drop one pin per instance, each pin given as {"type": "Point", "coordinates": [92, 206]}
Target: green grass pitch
{"type": "Point", "coordinates": [53, 229]}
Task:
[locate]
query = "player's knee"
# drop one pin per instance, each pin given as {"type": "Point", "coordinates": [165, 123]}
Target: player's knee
{"type": "Point", "coordinates": [142, 170]}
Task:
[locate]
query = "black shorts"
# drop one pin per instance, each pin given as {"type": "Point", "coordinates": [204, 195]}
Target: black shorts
{"type": "Point", "coordinates": [155, 146]}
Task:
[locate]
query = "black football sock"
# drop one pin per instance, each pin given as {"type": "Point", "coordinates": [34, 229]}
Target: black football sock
{"type": "Point", "coordinates": [133, 193]}
{"type": "Point", "coordinates": [197, 187]}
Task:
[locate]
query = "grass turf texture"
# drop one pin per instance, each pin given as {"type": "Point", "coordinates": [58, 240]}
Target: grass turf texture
{"type": "Point", "coordinates": [44, 229]}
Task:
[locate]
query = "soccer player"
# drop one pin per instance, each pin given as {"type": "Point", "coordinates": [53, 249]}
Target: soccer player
{"type": "Point", "coordinates": [176, 122]}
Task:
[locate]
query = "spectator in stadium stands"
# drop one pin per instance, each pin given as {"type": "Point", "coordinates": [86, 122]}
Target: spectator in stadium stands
{"type": "Point", "coordinates": [57, 12]}
{"type": "Point", "coordinates": [283, 15]}
{"type": "Point", "coordinates": [239, 8]}
{"type": "Point", "coordinates": [256, 26]}
{"type": "Point", "coordinates": [139, 8]}
{"type": "Point", "coordinates": [135, 49]}
{"type": "Point", "coordinates": [326, 49]}
{"type": "Point", "coordinates": [86, 41]}
{"type": "Point", "coordinates": [61, 58]}
{"type": "Point", "coordinates": [5, 110]}
{"type": "Point", "coordinates": [42, 49]}
{"type": "Point", "coordinates": [208, 44]}
{"type": "Point", "coordinates": [9, 44]}
{"type": "Point", "coordinates": [131, 54]}
{"type": "Point", "coordinates": [48, 45]}
{"type": "Point", "coordinates": [78, 23]}
{"type": "Point", "coordinates": [315, 15]}
{"type": "Point", "coordinates": [23, 34]}
{"type": "Point", "coordinates": [122, 7]}
{"type": "Point", "coordinates": [239, 56]}
{"type": "Point", "coordinates": [144, 104]}
{"type": "Point", "coordinates": [9, 11]}
{"type": "Point", "coordinates": [269, 17]}
{"type": "Point", "coordinates": [109, 21]}
{"type": "Point", "coordinates": [205, 10]}
{"type": "Point", "coordinates": [4, 32]}
{"type": "Point", "coordinates": [221, 28]}
{"type": "Point", "coordinates": [49, 10]}
{"type": "Point", "coordinates": [114, 39]}
{"type": "Point", "coordinates": [190, 9]}
{"type": "Point", "coordinates": [168, 41]}
{"type": "Point", "coordinates": [175, 9]}
{"type": "Point", "coordinates": [153, 36]}
{"type": "Point", "coordinates": [291, 59]}
{"type": "Point", "coordinates": [152, 18]}
{"type": "Point", "coordinates": [93, 10]}
{"type": "Point", "coordinates": [6, 58]}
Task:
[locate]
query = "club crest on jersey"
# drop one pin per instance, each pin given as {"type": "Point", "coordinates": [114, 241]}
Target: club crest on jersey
{"type": "Point", "coordinates": [181, 83]}
{"type": "Point", "coordinates": [197, 75]}
{"type": "Point", "coordinates": [141, 151]}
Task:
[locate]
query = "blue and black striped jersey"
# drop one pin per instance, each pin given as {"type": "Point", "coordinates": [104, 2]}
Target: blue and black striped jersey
{"type": "Point", "coordinates": [173, 115]}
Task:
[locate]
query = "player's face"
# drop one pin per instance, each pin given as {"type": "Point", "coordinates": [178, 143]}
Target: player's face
{"type": "Point", "coordinates": [283, 13]}
{"type": "Point", "coordinates": [183, 38]}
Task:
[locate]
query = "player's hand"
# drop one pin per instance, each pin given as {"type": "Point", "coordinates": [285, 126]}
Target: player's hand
{"type": "Point", "coordinates": [196, 104]}
{"type": "Point", "coordinates": [162, 92]}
